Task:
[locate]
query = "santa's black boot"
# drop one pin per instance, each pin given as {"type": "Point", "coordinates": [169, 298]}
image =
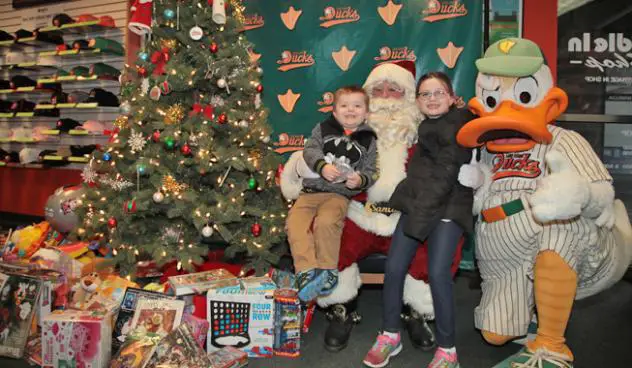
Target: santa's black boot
{"type": "Point", "coordinates": [342, 318]}
{"type": "Point", "coordinates": [421, 335]}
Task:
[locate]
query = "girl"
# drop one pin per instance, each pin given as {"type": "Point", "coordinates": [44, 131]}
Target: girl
{"type": "Point", "coordinates": [435, 207]}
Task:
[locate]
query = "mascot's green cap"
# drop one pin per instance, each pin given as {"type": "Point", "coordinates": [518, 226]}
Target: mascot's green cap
{"type": "Point", "coordinates": [511, 57]}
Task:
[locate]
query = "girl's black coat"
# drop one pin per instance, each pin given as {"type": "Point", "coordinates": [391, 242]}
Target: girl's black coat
{"type": "Point", "coordinates": [431, 191]}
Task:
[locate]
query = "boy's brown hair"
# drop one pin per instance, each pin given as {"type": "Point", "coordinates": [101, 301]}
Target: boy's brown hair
{"type": "Point", "coordinates": [351, 89]}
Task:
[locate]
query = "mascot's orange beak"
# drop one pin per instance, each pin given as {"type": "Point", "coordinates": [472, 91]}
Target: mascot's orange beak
{"type": "Point", "coordinates": [512, 127]}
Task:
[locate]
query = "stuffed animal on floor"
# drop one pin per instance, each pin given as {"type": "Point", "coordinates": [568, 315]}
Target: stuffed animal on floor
{"type": "Point", "coordinates": [549, 228]}
{"type": "Point", "coordinates": [85, 289]}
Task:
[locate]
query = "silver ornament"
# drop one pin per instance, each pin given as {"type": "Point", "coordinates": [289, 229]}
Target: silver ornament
{"type": "Point", "coordinates": [266, 139]}
{"type": "Point", "coordinates": [260, 70]}
{"type": "Point", "coordinates": [158, 197]}
{"type": "Point", "coordinates": [196, 33]}
{"type": "Point", "coordinates": [221, 83]}
{"type": "Point", "coordinates": [207, 231]}
{"type": "Point", "coordinates": [243, 124]}
{"type": "Point", "coordinates": [126, 107]}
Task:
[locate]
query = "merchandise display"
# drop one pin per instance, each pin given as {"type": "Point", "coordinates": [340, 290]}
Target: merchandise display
{"type": "Point", "coordinates": [73, 74]}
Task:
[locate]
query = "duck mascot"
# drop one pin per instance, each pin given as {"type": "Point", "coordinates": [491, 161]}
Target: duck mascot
{"type": "Point", "coordinates": [549, 229]}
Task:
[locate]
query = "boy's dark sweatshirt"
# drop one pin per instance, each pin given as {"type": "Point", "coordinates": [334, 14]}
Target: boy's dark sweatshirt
{"type": "Point", "coordinates": [329, 137]}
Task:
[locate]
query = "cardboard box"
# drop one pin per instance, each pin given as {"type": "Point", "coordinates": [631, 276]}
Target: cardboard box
{"type": "Point", "coordinates": [73, 338]}
{"type": "Point", "coordinates": [196, 283]}
{"type": "Point", "coordinates": [241, 314]}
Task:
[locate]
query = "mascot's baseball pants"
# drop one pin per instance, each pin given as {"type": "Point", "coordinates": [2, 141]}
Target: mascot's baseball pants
{"type": "Point", "coordinates": [442, 245]}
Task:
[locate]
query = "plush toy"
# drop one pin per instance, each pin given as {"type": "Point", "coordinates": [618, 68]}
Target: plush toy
{"type": "Point", "coordinates": [85, 289]}
{"type": "Point", "coordinates": [549, 229]}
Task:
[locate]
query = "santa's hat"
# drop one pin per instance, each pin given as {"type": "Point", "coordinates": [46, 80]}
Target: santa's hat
{"type": "Point", "coordinates": [140, 19]}
{"type": "Point", "coordinates": [400, 72]}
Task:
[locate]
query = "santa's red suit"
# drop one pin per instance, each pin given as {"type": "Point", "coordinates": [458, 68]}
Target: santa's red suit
{"type": "Point", "coordinates": [370, 222]}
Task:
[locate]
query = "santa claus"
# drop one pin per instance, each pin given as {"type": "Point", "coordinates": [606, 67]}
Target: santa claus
{"type": "Point", "coordinates": [370, 222]}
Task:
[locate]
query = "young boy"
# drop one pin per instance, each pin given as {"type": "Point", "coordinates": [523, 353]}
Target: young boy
{"type": "Point", "coordinates": [342, 151]}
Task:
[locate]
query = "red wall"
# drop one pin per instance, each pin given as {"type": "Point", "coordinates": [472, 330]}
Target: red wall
{"type": "Point", "coordinates": [540, 26]}
{"type": "Point", "coordinates": [25, 191]}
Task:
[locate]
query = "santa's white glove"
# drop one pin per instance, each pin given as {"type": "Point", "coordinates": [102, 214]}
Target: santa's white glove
{"type": "Point", "coordinates": [471, 175]}
{"type": "Point", "coordinates": [562, 194]}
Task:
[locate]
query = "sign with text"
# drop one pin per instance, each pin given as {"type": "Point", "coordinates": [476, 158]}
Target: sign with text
{"type": "Point", "coordinates": [595, 65]}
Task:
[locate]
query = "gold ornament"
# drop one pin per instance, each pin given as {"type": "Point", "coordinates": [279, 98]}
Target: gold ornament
{"type": "Point", "coordinates": [168, 43]}
{"type": "Point", "coordinates": [255, 156]}
{"type": "Point", "coordinates": [238, 10]}
{"type": "Point", "coordinates": [121, 122]}
{"type": "Point", "coordinates": [174, 114]}
{"type": "Point", "coordinates": [169, 184]}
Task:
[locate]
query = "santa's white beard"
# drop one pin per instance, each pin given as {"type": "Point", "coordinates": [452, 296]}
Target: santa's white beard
{"type": "Point", "coordinates": [394, 120]}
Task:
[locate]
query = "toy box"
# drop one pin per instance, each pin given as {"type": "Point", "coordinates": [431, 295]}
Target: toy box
{"type": "Point", "coordinates": [241, 314]}
{"type": "Point", "coordinates": [19, 298]}
{"type": "Point", "coordinates": [287, 323]}
{"type": "Point", "coordinates": [73, 338]}
{"type": "Point", "coordinates": [196, 283]}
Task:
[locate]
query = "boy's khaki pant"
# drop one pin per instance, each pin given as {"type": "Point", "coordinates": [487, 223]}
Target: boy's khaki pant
{"type": "Point", "coordinates": [317, 246]}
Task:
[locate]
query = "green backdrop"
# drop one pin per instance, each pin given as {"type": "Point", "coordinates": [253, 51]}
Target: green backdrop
{"type": "Point", "coordinates": [295, 41]}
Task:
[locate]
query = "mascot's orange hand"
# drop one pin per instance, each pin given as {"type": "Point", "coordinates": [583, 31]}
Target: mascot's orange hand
{"type": "Point", "coordinates": [562, 194]}
{"type": "Point", "coordinates": [353, 181]}
{"type": "Point", "coordinates": [330, 172]}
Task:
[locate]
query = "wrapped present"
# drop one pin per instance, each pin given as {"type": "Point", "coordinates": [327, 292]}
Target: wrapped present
{"type": "Point", "coordinates": [159, 316]}
{"type": "Point", "coordinates": [136, 350]}
{"type": "Point", "coordinates": [240, 313]}
{"type": "Point", "coordinates": [178, 350]}
{"type": "Point", "coordinates": [228, 357]}
{"type": "Point", "coordinates": [287, 323]}
{"type": "Point", "coordinates": [197, 326]}
{"type": "Point", "coordinates": [197, 283]}
{"type": "Point", "coordinates": [74, 338]}
{"type": "Point", "coordinates": [123, 324]}
{"type": "Point", "coordinates": [19, 296]}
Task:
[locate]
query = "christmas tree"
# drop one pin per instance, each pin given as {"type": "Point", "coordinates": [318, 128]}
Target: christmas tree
{"type": "Point", "coordinates": [189, 161]}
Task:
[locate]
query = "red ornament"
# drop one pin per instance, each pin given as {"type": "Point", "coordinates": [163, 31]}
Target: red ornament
{"type": "Point", "coordinates": [213, 47]}
{"type": "Point", "coordinates": [277, 175]}
{"type": "Point", "coordinates": [142, 71]}
{"type": "Point", "coordinates": [186, 150]}
{"type": "Point", "coordinates": [256, 229]}
{"type": "Point", "coordinates": [259, 88]}
{"type": "Point", "coordinates": [221, 118]}
{"type": "Point", "coordinates": [155, 136]}
{"type": "Point", "coordinates": [112, 223]}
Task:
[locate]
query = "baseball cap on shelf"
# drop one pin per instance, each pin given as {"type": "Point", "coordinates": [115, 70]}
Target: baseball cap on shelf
{"type": "Point", "coordinates": [105, 20]}
{"type": "Point", "coordinates": [103, 97]}
{"type": "Point", "coordinates": [18, 81]}
{"type": "Point", "coordinates": [62, 19]}
{"type": "Point", "coordinates": [80, 71]}
{"type": "Point", "coordinates": [93, 127]}
{"type": "Point", "coordinates": [6, 36]}
{"type": "Point", "coordinates": [30, 155]}
{"type": "Point", "coordinates": [102, 70]}
{"type": "Point", "coordinates": [66, 124]}
{"type": "Point", "coordinates": [78, 96]}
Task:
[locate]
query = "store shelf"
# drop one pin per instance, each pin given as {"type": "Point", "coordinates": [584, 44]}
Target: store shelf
{"type": "Point", "coordinates": [21, 43]}
{"type": "Point", "coordinates": [27, 66]}
{"type": "Point", "coordinates": [83, 54]}
{"type": "Point", "coordinates": [19, 140]}
{"type": "Point", "coordinates": [26, 90]}
{"type": "Point", "coordinates": [78, 106]}
{"type": "Point", "coordinates": [79, 28]}
{"type": "Point", "coordinates": [72, 132]}
{"type": "Point", "coordinates": [73, 81]}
